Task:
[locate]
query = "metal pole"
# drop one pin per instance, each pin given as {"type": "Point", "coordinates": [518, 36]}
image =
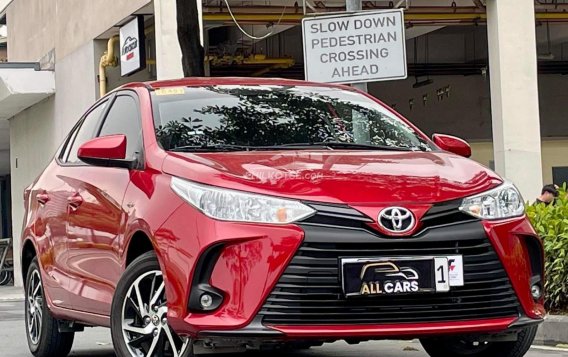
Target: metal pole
{"type": "Point", "coordinates": [355, 5]}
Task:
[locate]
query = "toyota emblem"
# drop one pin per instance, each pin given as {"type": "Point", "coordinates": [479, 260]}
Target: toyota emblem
{"type": "Point", "coordinates": [396, 219]}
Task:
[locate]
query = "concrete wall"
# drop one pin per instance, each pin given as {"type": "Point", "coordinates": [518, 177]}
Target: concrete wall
{"type": "Point", "coordinates": [74, 74]}
{"type": "Point", "coordinates": [32, 28]}
{"type": "Point", "coordinates": [30, 152]}
{"type": "Point", "coordinates": [554, 154]}
{"type": "Point", "coordinates": [37, 26]}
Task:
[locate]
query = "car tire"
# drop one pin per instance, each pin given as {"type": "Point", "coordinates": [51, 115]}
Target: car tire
{"type": "Point", "coordinates": [144, 330]}
{"type": "Point", "coordinates": [446, 347]}
{"type": "Point", "coordinates": [42, 330]}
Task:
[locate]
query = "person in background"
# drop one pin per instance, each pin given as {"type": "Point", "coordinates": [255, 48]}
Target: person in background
{"type": "Point", "coordinates": [547, 195]}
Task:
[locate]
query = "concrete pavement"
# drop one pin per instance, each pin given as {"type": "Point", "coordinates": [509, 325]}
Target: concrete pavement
{"type": "Point", "coordinates": [11, 293]}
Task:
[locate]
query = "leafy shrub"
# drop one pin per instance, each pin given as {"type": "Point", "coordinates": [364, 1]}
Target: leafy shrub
{"type": "Point", "coordinates": [551, 224]}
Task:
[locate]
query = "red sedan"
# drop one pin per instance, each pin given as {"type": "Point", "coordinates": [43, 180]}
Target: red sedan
{"type": "Point", "coordinates": [248, 213]}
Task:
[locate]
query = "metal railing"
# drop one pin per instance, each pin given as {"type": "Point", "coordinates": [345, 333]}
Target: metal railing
{"type": "Point", "coordinates": [6, 266]}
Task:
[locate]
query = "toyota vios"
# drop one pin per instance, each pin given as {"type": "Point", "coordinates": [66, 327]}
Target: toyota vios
{"type": "Point", "coordinates": [229, 214]}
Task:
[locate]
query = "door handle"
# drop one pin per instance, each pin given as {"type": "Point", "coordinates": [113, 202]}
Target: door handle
{"type": "Point", "coordinates": [42, 198]}
{"type": "Point", "coordinates": [74, 202]}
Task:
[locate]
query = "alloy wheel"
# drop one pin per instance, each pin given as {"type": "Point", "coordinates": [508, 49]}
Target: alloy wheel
{"type": "Point", "coordinates": [144, 319]}
{"type": "Point", "coordinates": [34, 295]}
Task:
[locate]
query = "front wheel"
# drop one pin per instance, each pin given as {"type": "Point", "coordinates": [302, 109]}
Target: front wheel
{"type": "Point", "coordinates": [44, 338]}
{"type": "Point", "coordinates": [457, 347]}
{"type": "Point", "coordinates": [139, 324]}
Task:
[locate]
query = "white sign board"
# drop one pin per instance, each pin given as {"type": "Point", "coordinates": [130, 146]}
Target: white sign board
{"type": "Point", "coordinates": [352, 48]}
{"type": "Point", "coordinates": [132, 47]}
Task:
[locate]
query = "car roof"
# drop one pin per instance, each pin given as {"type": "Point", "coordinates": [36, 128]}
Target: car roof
{"type": "Point", "coordinates": [211, 81]}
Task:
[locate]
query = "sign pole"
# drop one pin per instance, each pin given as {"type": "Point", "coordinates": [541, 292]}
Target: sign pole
{"type": "Point", "coordinates": [353, 6]}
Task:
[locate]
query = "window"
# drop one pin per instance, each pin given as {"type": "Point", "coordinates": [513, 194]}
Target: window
{"type": "Point", "coordinates": [123, 118]}
{"type": "Point", "coordinates": [560, 175]}
{"type": "Point", "coordinates": [85, 132]}
{"type": "Point", "coordinates": [277, 115]}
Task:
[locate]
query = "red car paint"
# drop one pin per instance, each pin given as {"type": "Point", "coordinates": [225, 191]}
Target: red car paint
{"type": "Point", "coordinates": [93, 147]}
{"type": "Point", "coordinates": [82, 232]}
{"type": "Point", "coordinates": [398, 330]}
{"type": "Point", "coordinates": [460, 147]}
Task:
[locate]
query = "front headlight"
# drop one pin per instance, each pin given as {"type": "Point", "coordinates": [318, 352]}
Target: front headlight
{"type": "Point", "coordinates": [230, 205]}
{"type": "Point", "coordinates": [504, 201]}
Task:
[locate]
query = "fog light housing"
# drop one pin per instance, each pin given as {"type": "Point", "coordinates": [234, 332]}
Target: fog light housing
{"type": "Point", "coordinates": [206, 301]}
{"type": "Point", "coordinates": [202, 296]}
{"type": "Point", "coordinates": [536, 291]}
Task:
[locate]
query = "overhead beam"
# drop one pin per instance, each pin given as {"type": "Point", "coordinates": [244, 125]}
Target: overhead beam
{"type": "Point", "coordinates": [410, 17]}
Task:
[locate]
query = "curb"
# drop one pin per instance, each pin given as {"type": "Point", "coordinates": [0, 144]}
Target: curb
{"type": "Point", "coordinates": [11, 294]}
{"type": "Point", "coordinates": [553, 331]}
{"type": "Point", "coordinates": [12, 299]}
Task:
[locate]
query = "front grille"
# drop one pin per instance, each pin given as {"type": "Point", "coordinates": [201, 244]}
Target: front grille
{"type": "Point", "coordinates": [309, 291]}
{"type": "Point", "coordinates": [330, 215]}
{"type": "Point", "coordinates": [445, 213]}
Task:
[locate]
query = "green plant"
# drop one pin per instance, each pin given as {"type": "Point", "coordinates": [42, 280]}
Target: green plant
{"type": "Point", "coordinates": [551, 224]}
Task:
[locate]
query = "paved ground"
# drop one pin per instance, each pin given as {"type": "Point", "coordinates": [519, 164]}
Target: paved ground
{"type": "Point", "coordinates": [10, 293]}
{"type": "Point", "coordinates": [97, 342]}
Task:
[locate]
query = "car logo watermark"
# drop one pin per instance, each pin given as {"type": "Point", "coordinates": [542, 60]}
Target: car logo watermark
{"type": "Point", "coordinates": [396, 219]}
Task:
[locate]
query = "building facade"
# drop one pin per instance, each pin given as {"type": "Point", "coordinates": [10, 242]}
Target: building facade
{"type": "Point", "coordinates": [470, 73]}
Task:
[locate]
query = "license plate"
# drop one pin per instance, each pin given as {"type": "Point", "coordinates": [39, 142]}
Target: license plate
{"type": "Point", "coordinates": [400, 275]}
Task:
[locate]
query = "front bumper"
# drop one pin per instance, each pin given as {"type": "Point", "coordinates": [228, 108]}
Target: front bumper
{"type": "Point", "coordinates": [258, 331]}
{"type": "Point", "coordinates": [275, 290]}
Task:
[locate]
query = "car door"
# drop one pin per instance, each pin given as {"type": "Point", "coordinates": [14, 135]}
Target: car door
{"type": "Point", "coordinates": [96, 216]}
{"type": "Point", "coordinates": [49, 201]}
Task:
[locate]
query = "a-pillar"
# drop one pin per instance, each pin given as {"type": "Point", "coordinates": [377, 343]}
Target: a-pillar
{"type": "Point", "coordinates": [514, 93]}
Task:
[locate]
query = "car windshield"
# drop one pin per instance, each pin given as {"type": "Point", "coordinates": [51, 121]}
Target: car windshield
{"type": "Point", "coordinates": [234, 118]}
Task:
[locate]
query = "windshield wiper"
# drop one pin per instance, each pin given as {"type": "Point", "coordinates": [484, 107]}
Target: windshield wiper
{"type": "Point", "coordinates": [331, 145]}
{"type": "Point", "coordinates": [210, 148]}
{"type": "Point", "coordinates": [230, 147]}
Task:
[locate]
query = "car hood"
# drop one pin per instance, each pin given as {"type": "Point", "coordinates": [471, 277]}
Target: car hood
{"type": "Point", "coordinates": [352, 177]}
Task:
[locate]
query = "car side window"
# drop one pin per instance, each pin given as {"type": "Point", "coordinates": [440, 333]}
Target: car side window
{"type": "Point", "coordinates": [85, 132]}
{"type": "Point", "coordinates": [123, 118]}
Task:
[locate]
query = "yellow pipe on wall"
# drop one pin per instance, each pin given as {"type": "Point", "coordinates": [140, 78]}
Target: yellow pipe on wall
{"type": "Point", "coordinates": [108, 59]}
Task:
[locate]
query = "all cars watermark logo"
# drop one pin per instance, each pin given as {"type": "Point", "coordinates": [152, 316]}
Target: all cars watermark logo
{"type": "Point", "coordinates": [388, 278]}
{"type": "Point", "coordinates": [130, 44]}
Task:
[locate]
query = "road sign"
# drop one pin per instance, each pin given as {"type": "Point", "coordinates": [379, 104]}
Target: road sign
{"type": "Point", "coordinates": [358, 47]}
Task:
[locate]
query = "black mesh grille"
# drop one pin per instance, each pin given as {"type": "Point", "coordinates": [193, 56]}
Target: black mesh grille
{"type": "Point", "coordinates": [309, 292]}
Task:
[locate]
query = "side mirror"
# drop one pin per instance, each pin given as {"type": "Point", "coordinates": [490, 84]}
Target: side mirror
{"type": "Point", "coordinates": [107, 151]}
{"type": "Point", "coordinates": [452, 144]}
